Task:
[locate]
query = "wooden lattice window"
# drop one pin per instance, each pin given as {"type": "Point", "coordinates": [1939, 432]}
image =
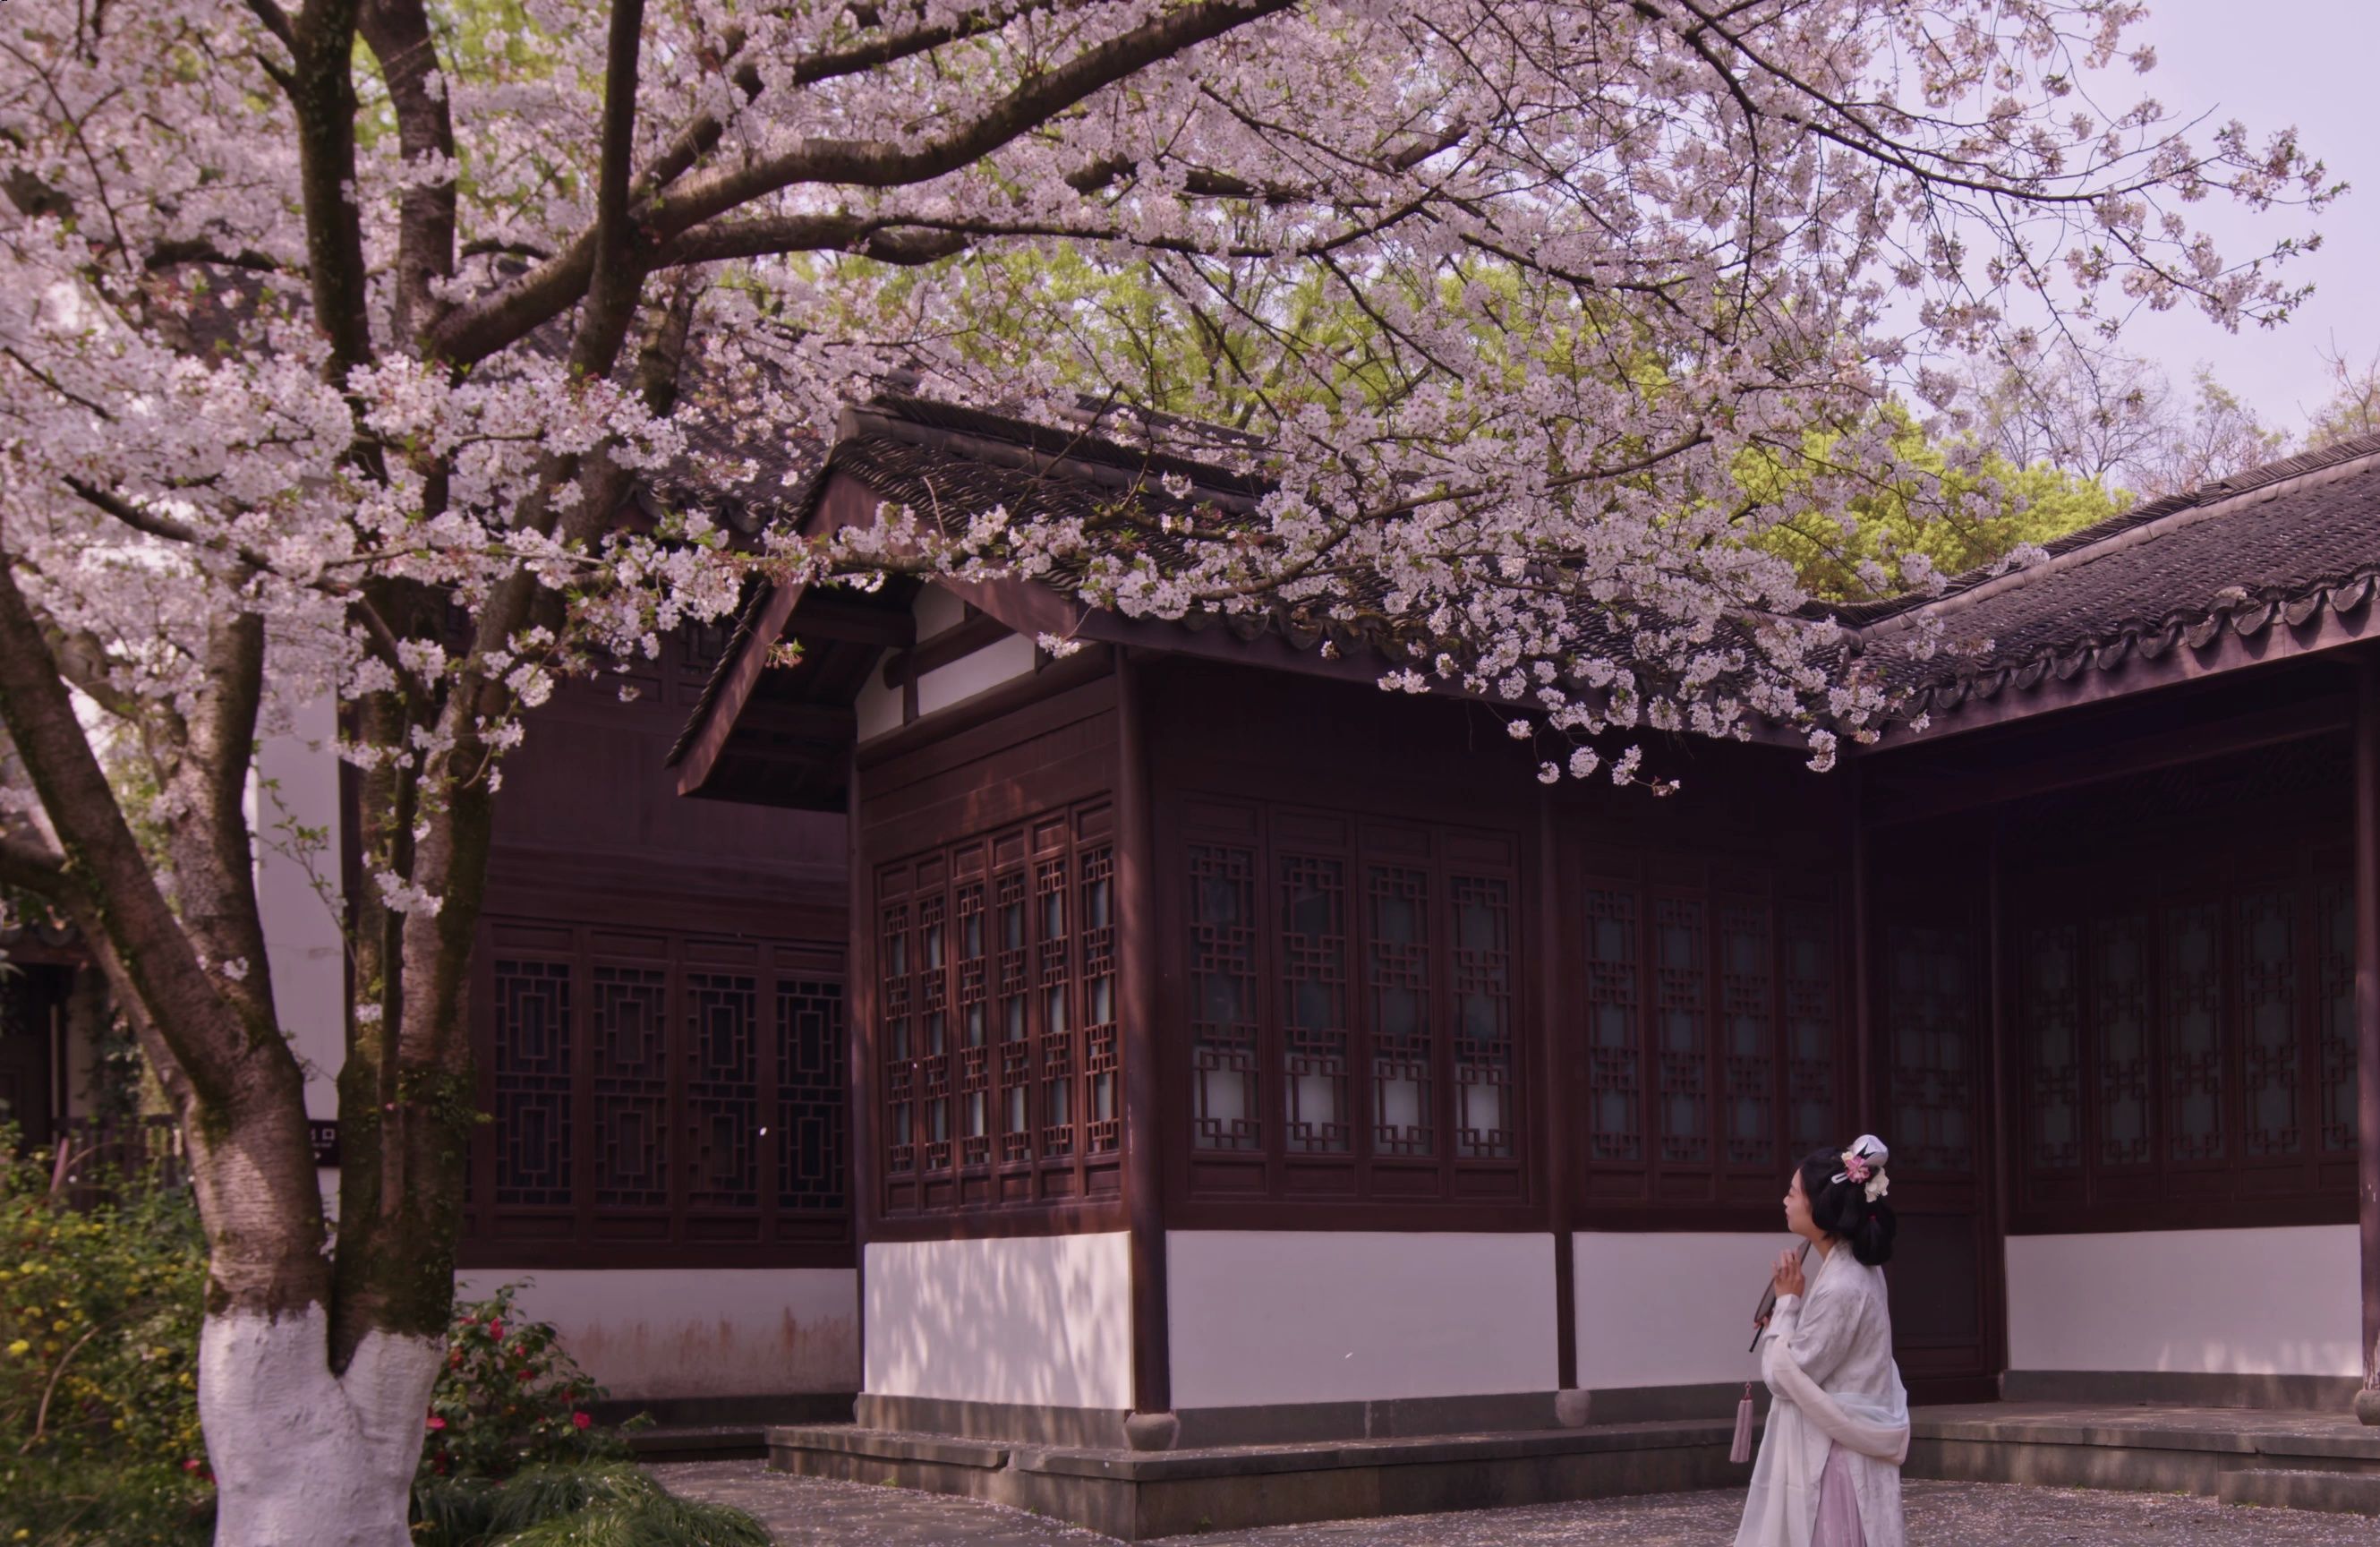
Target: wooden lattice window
{"type": "Point", "coordinates": [1353, 1015]}
{"type": "Point", "coordinates": [1931, 1007]}
{"type": "Point", "coordinates": [2053, 1052]}
{"type": "Point", "coordinates": [2189, 1058]}
{"type": "Point", "coordinates": [654, 1097]}
{"type": "Point", "coordinates": [1615, 1055]}
{"type": "Point", "coordinates": [1710, 1020]}
{"type": "Point", "coordinates": [998, 1024]}
{"type": "Point", "coordinates": [1313, 984]}
{"type": "Point", "coordinates": [1224, 1088]}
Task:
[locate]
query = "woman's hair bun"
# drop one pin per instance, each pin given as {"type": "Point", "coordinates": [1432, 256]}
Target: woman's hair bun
{"type": "Point", "coordinates": [1843, 1208]}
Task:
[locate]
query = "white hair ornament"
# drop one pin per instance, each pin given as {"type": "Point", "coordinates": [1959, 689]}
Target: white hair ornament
{"type": "Point", "coordinates": [1863, 1163]}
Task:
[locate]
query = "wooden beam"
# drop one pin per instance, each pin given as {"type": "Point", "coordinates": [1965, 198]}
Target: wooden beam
{"type": "Point", "coordinates": [822, 616]}
{"type": "Point", "coordinates": [2367, 998]}
{"type": "Point", "coordinates": [1555, 1105]}
{"type": "Point", "coordinates": [1136, 915]}
{"type": "Point", "coordinates": [2056, 770]}
{"type": "Point", "coordinates": [742, 672]}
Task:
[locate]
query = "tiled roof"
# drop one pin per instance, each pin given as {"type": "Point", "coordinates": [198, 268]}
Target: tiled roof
{"type": "Point", "coordinates": [2279, 543]}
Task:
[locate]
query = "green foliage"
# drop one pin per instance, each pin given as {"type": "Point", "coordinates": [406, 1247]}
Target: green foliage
{"type": "Point", "coordinates": [509, 1398]}
{"type": "Point", "coordinates": [1835, 558]}
{"type": "Point", "coordinates": [608, 1505]}
{"type": "Point", "coordinates": [99, 1335]}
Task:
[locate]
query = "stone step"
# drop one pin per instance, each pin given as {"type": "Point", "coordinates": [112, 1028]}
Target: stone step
{"type": "Point", "coordinates": [1137, 1495]}
{"type": "Point", "coordinates": [2336, 1492]}
{"type": "Point", "coordinates": [2155, 1450]}
{"type": "Point", "coordinates": [718, 1441]}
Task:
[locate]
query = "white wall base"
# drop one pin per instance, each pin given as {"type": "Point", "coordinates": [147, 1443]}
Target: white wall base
{"type": "Point", "coordinates": [2272, 1301]}
{"type": "Point", "coordinates": [1259, 1318]}
{"type": "Point", "coordinates": [650, 1333]}
{"type": "Point", "coordinates": [1668, 1308]}
{"type": "Point", "coordinates": [1038, 1321]}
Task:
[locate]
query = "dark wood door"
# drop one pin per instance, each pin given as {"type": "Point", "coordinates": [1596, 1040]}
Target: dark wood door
{"type": "Point", "coordinates": [1933, 1061]}
{"type": "Point", "coordinates": [24, 1054]}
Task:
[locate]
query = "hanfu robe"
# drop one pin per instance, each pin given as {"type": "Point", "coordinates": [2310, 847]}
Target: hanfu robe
{"type": "Point", "coordinates": [1834, 1390]}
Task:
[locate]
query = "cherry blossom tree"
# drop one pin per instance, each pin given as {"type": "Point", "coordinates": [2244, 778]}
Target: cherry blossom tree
{"type": "Point", "coordinates": [350, 347]}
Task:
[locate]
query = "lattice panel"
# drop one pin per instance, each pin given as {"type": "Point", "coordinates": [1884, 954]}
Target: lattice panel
{"type": "Point", "coordinates": [1484, 1051]}
{"type": "Point", "coordinates": [627, 1035]}
{"type": "Point", "coordinates": [2193, 973]}
{"type": "Point", "coordinates": [1014, 981]}
{"type": "Point", "coordinates": [2053, 1055]}
{"type": "Point", "coordinates": [1102, 1128]}
{"type": "Point", "coordinates": [532, 1066]}
{"type": "Point", "coordinates": [1615, 1076]}
{"type": "Point", "coordinates": [723, 1091]}
{"type": "Point", "coordinates": [1223, 1032]}
{"type": "Point", "coordinates": [1810, 1025]}
{"type": "Point", "coordinates": [900, 1043]}
{"type": "Point", "coordinates": [1931, 1010]}
{"type": "Point", "coordinates": [1397, 963]}
{"type": "Point", "coordinates": [1313, 984]}
{"type": "Point", "coordinates": [1682, 1029]}
{"type": "Point", "coordinates": [2335, 968]}
{"type": "Point", "coordinates": [2119, 1029]}
{"type": "Point", "coordinates": [1747, 1033]}
{"type": "Point", "coordinates": [811, 1096]}
{"type": "Point", "coordinates": [933, 949]}
{"type": "Point", "coordinates": [1053, 980]}
{"type": "Point", "coordinates": [2270, 1074]}
{"type": "Point", "coordinates": [975, 1029]}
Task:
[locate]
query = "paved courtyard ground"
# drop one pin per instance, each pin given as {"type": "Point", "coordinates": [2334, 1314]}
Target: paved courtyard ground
{"type": "Point", "coordinates": [810, 1512]}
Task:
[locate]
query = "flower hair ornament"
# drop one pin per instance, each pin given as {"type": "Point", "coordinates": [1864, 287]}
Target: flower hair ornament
{"type": "Point", "coordinates": [1863, 1163]}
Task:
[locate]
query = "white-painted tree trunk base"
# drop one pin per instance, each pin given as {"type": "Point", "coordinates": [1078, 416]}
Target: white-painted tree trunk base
{"type": "Point", "coordinates": [303, 1457]}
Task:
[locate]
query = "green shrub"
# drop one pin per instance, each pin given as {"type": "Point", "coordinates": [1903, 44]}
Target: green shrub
{"type": "Point", "coordinates": [608, 1504]}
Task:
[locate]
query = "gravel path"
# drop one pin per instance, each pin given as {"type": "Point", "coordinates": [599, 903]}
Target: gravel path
{"type": "Point", "coordinates": [812, 1512]}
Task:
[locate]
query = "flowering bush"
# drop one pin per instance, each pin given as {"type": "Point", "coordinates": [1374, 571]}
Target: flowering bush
{"type": "Point", "coordinates": [99, 1334]}
{"type": "Point", "coordinates": [509, 1397]}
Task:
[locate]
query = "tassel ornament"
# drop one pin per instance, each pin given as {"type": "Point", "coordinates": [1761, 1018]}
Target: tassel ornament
{"type": "Point", "coordinates": [1741, 1452]}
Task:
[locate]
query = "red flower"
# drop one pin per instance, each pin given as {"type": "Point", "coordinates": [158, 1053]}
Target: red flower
{"type": "Point", "coordinates": [495, 1328]}
{"type": "Point", "coordinates": [433, 1422]}
{"type": "Point", "coordinates": [191, 1462]}
{"type": "Point", "coordinates": [581, 1419]}
{"type": "Point", "coordinates": [528, 1375]}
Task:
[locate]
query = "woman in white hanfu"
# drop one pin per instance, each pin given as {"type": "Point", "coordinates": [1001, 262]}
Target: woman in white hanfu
{"type": "Point", "coordinates": [1838, 1430]}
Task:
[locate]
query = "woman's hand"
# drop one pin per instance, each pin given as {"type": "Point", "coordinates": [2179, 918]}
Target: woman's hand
{"type": "Point", "coordinates": [1788, 1279]}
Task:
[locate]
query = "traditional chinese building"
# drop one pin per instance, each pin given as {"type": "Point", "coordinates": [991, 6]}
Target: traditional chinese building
{"type": "Point", "coordinates": [1237, 1045]}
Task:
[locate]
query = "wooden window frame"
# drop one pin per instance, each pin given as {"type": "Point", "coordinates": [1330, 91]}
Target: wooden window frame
{"type": "Point", "coordinates": [2311, 1183]}
{"type": "Point", "coordinates": [1733, 1183]}
{"type": "Point", "coordinates": [1367, 1182]}
{"type": "Point", "coordinates": [1062, 1074]}
{"type": "Point", "coordinates": [792, 1220]}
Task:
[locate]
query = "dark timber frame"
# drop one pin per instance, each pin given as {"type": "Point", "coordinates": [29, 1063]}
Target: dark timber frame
{"type": "Point", "coordinates": [1668, 998]}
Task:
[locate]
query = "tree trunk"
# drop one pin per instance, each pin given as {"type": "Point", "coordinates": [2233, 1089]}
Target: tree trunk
{"type": "Point", "coordinates": [304, 1457]}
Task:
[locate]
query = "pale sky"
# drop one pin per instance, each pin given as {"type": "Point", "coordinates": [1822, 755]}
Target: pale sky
{"type": "Point", "coordinates": [2272, 63]}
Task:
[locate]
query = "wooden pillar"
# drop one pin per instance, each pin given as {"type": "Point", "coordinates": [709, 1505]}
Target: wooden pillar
{"type": "Point", "coordinates": [1558, 1104]}
{"type": "Point", "coordinates": [1136, 914]}
{"type": "Point", "coordinates": [1865, 1106]}
{"type": "Point", "coordinates": [2367, 991]}
{"type": "Point", "coordinates": [860, 1073]}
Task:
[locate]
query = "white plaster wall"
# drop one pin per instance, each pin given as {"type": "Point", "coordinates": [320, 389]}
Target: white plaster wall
{"type": "Point", "coordinates": [1668, 1308]}
{"type": "Point", "coordinates": [297, 785]}
{"type": "Point", "coordinates": [1259, 1317]}
{"type": "Point", "coordinates": [977, 673]}
{"type": "Point", "coordinates": [1044, 1320]}
{"type": "Point", "coordinates": [2275, 1301]}
{"type": "Point", "coordinates": [722, 1332]}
